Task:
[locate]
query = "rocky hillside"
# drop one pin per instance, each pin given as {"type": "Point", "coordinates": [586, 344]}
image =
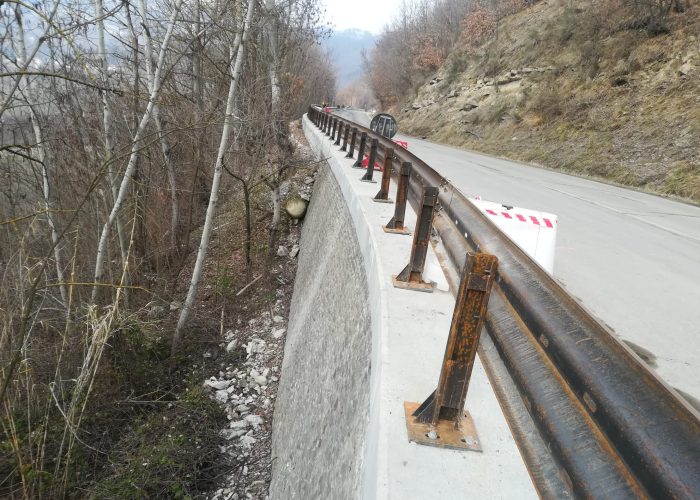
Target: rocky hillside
{"type": "Point", "coordinates": [585, 89]}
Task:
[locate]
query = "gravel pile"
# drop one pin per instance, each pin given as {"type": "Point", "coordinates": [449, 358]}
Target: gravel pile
{"type": "Point", "coordinates": [246, 387]}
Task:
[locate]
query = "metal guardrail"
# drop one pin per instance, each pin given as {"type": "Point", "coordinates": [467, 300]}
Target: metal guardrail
{"type": "Point", "coordinates": [613, 428]}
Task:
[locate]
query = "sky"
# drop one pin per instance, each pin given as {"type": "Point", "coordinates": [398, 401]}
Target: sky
{"type": "Point", "coordinates": [368, 15]}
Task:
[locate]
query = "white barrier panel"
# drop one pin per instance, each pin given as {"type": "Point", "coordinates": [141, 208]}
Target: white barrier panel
{"type": "Point", "coordinates": [533, 231]}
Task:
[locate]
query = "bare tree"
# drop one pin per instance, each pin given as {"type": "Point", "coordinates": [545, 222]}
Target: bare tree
{"type": "Point", "coordinates": [42, 158]}
{"type": "Point", "coordinates": [164, 145]}
{"type": "Point", "coordinates": [108, 120]}
{"type": "Point", "coordinates": [136, 145]}
{"type": "Point", "coordinates": [237, 55]}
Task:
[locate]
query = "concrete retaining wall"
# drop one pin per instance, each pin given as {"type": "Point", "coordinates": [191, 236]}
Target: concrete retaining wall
{"type": "Point", "coordinates": [339, 429]}
{"type": "Point", "coordinates": [322, 406]}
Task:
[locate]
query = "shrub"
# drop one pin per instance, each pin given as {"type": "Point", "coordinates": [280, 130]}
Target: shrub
{"type": "Point", "coordinates": [590, 53]}
{"type": "Point", "coordinates": [173, 453]}
{"type": "Point", "coordinates": [547, 101]}
{"type": "Point", "coordinates": [457, 64]}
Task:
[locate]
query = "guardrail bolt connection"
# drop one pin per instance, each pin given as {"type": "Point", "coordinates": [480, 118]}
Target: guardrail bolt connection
{"type": "Point", "coordinates": [441, 419]}
{"type": "Point", "coordinates": [395, 225]}
{"type": "Point", "coordinates": [411, 277]}
{"type": "Point", "coordinates": [352, 143]}
{"type": "Point", "coordinates": [371, 161]}
{"type": "Point", "coordinates": [361, 152]}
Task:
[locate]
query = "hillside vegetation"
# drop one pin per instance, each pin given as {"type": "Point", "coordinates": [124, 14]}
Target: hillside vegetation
{"type": "Point", "coordinates": [145, 163]}
{"type": "Point", "coordinates": [600, 88]}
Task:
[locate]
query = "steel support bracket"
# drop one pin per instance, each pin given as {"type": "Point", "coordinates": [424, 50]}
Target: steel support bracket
{"type": "Point", "coordinates": [351, 152]}
{"type": "Point", "coordinates": [344, 147]}
{"type": "Point", "coordinates": [411, 277]}
{"type": "Point", "coordinates": [338, 134]}
{"type": "Point", "coordinates": [395, 225]}
{"type": "Point", "coordinates": [383, 194]}
{"type": "Point", "coordinates": [367, 177]}
{"type": "Point", "coordinates": [441, 419]}
{"type": "Point", "coordinates": [361, 151]}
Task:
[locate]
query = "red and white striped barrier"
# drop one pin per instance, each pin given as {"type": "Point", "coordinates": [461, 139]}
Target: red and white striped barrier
{"type": "Point", "coordinates": [377, 166]}
{"type": "Point", "coordinates": [533, 231]}
{"type": "Point", "coordinates": [532, 219]}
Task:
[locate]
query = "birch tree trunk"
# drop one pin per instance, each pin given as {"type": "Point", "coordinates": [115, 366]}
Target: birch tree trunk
{"type": "Point", "coordinates": [136, 144]}
{"type": "Point", "coordinates": [164, 145]}
{"type": "Point", "coordinates": [237, 57]}
{"type": "Point", "coordinates": [23, 62]}
{"type": "Point", "coordinates": [21, 49]}
{"type": "Point", "coordinates": [278, 116]}
{"type": "Point", "coordinates": [271, 27]}
{"type": "Point", "coordinates": [107, 121]}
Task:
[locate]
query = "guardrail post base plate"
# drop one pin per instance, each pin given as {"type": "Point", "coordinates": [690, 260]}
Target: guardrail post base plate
{"type": "Point", "coordinates": [445, 434]}
{"type": "Point", "coordinates": [416, 285]}
{"type": "Point", "coordinates": [403, 230]}
{"type": "Point", "coordinates": [411, 277]}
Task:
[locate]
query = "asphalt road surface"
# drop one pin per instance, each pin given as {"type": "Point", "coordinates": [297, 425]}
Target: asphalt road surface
{"type": "Point", "coordinates": [631, 258]}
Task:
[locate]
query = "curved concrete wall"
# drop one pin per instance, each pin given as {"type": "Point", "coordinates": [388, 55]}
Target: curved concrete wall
{"type": "Point", "coordinates": [339, 428]}
{"type": "Point", "coordinates": [322, 405]}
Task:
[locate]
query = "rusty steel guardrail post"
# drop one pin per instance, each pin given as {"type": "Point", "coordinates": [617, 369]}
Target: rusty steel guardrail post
{"type": "Point", "coordinates": [345, 138]}
{"type": "Point", "coordinates": [324, 120]}
{"type": "Point", "coordinates": [367, 177]}
{"type": "Point", "coordinates": [352, 143]}
{"type": "Point", "coordinates": [335, 128]}
{"type": "Point", "coordinates": [338, 135]}
{"type": "Point", "coordinates": [411, 277]}
{"type": "Point", "coordinates": [441, 419]}
{"type": "Point", "coordinates": [395, 225]}
{"type": "Point", "coordinates": [331, 124]}
{"type": "Point", "coordinates": [361, 151]}
{"type": "Point", "coordinates": [383, 194]}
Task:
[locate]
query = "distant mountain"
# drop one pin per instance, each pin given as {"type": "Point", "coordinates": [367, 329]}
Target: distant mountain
{"type": "Point", "coordinates": [346, 47]}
